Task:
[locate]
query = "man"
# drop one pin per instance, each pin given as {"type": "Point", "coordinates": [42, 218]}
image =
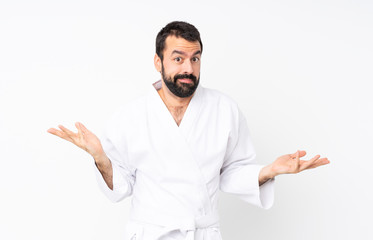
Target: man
{"type": "Point", "coordinates": [174, 148]}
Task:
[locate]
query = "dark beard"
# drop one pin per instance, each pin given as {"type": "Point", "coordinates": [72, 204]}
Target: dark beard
{"type": "Point", "coordinates": [180, 89]}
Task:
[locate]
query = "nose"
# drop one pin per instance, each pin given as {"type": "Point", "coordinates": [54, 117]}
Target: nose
{"type": "Point", "coordinates": [187, 67]}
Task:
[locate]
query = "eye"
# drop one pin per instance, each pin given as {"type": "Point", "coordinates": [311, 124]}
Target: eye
{"type": "Point", "coordinates": [195, 59]}
{"type": "Point", "coordinates": [177, 59]}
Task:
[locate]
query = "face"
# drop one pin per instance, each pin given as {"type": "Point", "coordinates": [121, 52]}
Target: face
{"type": "Point", "coordinates": [180, 67]}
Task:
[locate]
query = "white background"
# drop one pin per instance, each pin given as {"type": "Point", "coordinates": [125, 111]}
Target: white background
{"type": "Point", "coordinates": [301, 72]}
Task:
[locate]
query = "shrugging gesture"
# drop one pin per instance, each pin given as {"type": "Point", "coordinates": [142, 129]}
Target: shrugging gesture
{"type": "Point", "coordinates": [84, 138]}
{"type": "Point", "coordinates": [290, 163]}
{"type": "Point", "coordinates": [90, 143]}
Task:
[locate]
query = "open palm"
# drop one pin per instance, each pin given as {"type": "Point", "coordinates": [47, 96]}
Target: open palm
{"type": "Point", "coordinates": [84, 138]}
{"type": "Point", "coordinates": [291, 163]}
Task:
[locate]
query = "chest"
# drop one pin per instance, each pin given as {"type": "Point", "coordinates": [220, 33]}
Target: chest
{"type": "Point", "coordinates": [168, 150]}
{"type": "Point", "coordinates": [177, 114]}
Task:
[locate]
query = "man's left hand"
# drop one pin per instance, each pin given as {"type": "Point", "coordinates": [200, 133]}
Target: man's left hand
{"type": "Point", "coordinates": [290, 163]}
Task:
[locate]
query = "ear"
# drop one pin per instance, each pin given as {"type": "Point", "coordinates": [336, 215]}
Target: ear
{"type": "Point", "coordinates": [157, 63]}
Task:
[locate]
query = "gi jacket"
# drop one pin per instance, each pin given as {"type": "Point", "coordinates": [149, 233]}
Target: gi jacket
{"type": "Point", "coordinates": [174, 172]}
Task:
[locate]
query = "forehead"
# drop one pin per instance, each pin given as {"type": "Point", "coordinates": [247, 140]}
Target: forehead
{"type": "Point", "coordinates": [178, 43]}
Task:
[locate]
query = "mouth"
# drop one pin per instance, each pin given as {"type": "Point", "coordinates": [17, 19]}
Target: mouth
{"type": "Point", "coordinates": [185, 80]}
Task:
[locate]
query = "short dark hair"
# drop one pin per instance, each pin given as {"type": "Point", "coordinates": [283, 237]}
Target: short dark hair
{"type": "Point", "coordinates": [178, 29]}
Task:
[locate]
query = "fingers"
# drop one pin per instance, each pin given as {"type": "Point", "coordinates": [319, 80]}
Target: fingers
{"type": "Point", "coordinates": [314, 162]}
{"type": "Point", "coordinates": [80, 132]}
{"type": "Point", "coordinates": [307, 164]}
{"type": "Point", "coordinates": [81, 127]}
{"type": "Point", "coordinates": [59, 133]}
{"type": "Point", "coordinates": [319, 162]}
{"type": "Point", "coordinates": [302, 153]}
{"type": "Point", "coordinates": [54, 132]}
{"type": "Point", "coordinates": [64, 133]}
{"type": "Point", "coordinates": [294, 162]}
{"type": "Point", "coordinates": [65, 130]}
{"type": "Point", "coordinates": [297, 156]}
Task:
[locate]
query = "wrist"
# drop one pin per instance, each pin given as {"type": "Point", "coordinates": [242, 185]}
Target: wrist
{"type": "Point", "coordinates": [100, 158]}
{"type": "Point", "coordinates": [267, 172]}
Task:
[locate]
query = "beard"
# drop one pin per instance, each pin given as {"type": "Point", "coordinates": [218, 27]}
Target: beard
{"type": "Point", "coordinates": [178, 88]}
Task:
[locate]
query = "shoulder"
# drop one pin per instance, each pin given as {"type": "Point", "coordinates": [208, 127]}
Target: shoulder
{"type": "Point", "coordinates": [218, 96]}
{"type": "Point", "coordinates": [220, 100]}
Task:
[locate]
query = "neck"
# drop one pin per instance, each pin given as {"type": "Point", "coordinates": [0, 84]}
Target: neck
{"type": "Point", "coordinates": [172, 101]}
{"type": "Point", "coordinates": [175, 105]}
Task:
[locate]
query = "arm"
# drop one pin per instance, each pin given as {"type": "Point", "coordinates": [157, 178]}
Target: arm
{"type": "Point", "coordinates": [240, 171]}
{"type": "Point", "coordinates": [104, 166]}
{"type": "Point", "coordinates": [89, 142]}
{"type": "Point", "coordinates": [244, 177]}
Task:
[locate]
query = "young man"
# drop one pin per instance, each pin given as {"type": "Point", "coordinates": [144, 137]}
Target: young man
{"type": "Point", "coordinates": [175, 147]}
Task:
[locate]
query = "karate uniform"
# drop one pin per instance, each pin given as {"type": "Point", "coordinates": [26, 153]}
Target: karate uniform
{"type": "Point", "coordinates": [174, 172]}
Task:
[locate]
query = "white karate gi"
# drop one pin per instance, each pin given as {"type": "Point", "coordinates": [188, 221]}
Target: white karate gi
{"type": "Point", "coordinates": [174, 172]}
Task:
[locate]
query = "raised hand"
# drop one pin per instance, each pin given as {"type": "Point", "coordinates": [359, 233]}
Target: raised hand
{"type": "Point", "coordinates": [290, 163]}
{"type": "Point", "coordinates": [89, 142]}
{"type": "Point", "coordinates": [84, 139]}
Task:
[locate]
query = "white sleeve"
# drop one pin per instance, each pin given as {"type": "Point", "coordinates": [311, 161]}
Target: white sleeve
{"type": "Point", "coordinates": [115, 147]}
{"type": "Point", "coordinates": [239, 174]}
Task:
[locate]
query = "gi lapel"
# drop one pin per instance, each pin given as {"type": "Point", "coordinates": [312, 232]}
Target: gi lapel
{"type": "Point", "coordinates": [176, 138]}
{"type": "Point", "coordinates": [191, 114]}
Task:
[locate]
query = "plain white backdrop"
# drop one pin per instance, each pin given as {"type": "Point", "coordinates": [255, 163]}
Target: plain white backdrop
{"type": "Point", "coordinates": [301, 72]}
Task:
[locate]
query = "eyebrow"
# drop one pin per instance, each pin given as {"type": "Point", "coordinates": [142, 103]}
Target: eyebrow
{"type": "Point", "coordinates": [183, 53]}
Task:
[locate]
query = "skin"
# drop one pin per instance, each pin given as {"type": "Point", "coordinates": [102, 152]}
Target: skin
{"type": "Point", "coordinates": [180, 57]}
{"type": "Point", "coordinates": [90, 143]}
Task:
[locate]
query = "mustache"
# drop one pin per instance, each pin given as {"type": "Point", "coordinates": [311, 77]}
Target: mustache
{"type": "Point", "coordinates": [185, 76]}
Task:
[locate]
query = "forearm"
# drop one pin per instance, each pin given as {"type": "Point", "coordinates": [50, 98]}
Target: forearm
{"type": "Point", "coordinates": [104, 166]}
{"type": "Point", "coordinates": [266, 174]}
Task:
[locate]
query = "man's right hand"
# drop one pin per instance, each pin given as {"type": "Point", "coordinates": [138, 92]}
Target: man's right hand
{"type": "Point", "coordinates": [84, 139]}
{"type": "Point", "coordinates": [89, 142]}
